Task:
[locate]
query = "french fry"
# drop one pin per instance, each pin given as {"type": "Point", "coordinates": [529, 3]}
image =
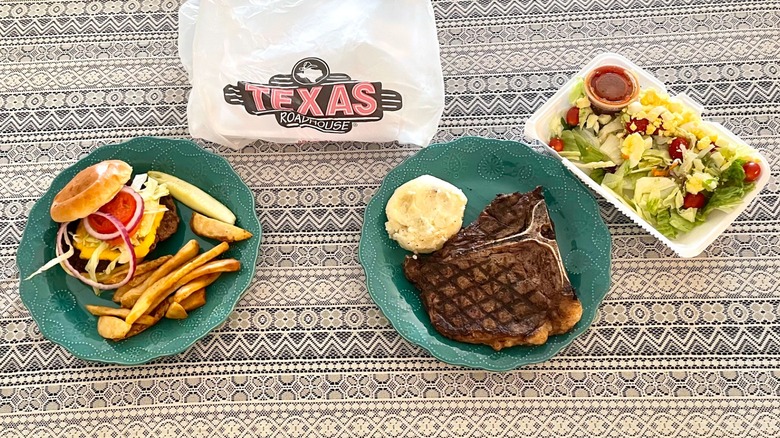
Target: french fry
{"type": "Point", "coordinates": [146, 319]}
{"type": "Point", "coordinates": [199, 283]}
{"type": "Point", "coordinates": [156, 315]}
{"type": "Point", "coordinates": [215, 229]}
{"type": "Point", "coordinates": [175, 311]}
{"type": "Point", "coordinates": [111, 327]}
{"type": "Point", "coordinates": [187, 289]}
{"type": "Point", "coordinates": [118, 274]}
{"type": "Point", "coordinates": [107, 311]}
{"type": "Point", "coordinates": [138, 328]}
{"type": "Point", "coordinates": [119, 312]}
{"type": "Point", "coordinates": [195, 300]}
{"type": "Point", "coordinates": [184, 255]}
{"type": "Point", "coordinates": [224, 265]}
{"type": "Point", "coordinates": [135, 281]}
{"type": "Point", "coordinates": [162, 288]}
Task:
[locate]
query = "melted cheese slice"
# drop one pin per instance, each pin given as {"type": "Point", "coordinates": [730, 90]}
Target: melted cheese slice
{"type": "Point", "coordinates": [141, 250]}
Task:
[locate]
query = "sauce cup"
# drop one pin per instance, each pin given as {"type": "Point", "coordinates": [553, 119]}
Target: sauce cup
{"type": "Point", "coordinates": [611, 88]}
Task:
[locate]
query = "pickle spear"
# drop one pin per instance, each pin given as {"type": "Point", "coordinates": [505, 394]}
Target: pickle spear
{"type": "Point", "coordinates": [194, 198]}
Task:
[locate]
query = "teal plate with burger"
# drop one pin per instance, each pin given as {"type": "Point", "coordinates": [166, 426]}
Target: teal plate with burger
{"type": "Point", "coordinates": [483, 168]}
{"type": "Point", "coordinates": [57, 301]}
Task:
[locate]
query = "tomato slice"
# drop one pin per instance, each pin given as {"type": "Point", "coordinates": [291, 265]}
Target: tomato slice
{"type": "Point", "coordinates": [121, 207]}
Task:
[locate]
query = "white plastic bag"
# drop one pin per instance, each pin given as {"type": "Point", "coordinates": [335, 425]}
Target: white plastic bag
{"type": "Point", "coordinates": [329, 70]}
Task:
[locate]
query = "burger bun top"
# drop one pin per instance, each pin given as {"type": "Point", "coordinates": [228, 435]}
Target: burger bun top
{"type": "Point", "coordinates": [89, 190]}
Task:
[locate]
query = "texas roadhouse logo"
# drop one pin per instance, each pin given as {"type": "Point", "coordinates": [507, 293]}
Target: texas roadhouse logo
{"type": "Point", "coordinates": [313, 97]}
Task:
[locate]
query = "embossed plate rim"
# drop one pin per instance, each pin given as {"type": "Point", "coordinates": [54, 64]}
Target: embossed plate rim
{"type": "Point", "coordinates": [431, 343]}
{"type": "Point", "coordinates": [204, 324]}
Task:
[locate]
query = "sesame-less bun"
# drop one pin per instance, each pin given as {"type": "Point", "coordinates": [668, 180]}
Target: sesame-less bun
{"type": "Point", "coordinates": [89, 190]}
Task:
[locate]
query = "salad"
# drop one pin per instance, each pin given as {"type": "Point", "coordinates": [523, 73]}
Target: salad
{"type": "Point", "coordinates": [658, 157]}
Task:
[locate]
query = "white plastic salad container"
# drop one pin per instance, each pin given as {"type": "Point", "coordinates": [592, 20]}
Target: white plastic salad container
{"type": "Point", "coordinates": [689, 244]}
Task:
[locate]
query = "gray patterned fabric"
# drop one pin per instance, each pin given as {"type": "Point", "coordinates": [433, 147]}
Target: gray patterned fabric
{"type": "Point", "coordinates": [679, 347]}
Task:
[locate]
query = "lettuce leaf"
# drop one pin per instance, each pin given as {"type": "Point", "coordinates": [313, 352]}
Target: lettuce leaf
{"type": "Point", "coordinates": [613, 127]}
{"type": "Point", "coordinates": [52, 263]}
{"type": "Point", "coordinates": [577, 92]}
{"type": "Point", "coordinates": [92, 264]}
{"type": "Point", "coordinates": [611, 147]}
{"type": "Point", "coordinates": [614, 181]}
{"type": "Point", "coordinates": [655, 158]}
{"type": "Point", "coordinates": [556, 127]}
{"type": "Point", "coordinates": [576, 139]}
{"type": "Point", "coordinates": [653, 194]}
{"type": "Point", "coordinates": [663, 224]}
{"type": "Point", "coordinates": [657, 200]}
{"type": "Point", "coordinates": [569, 142]}
{"type": "Point", "coordinates": [734, 175]}
{"type": "Point", "coordinates": [670, 223]}
{"type": "Point", "coordinates": [598, 175]}
{"type": "Point", "coordinates": [726, 198]}
{"type": "Point", "coordinates": [595, 165]}
{"type": "Point", "coordinates": [689, 214]}
{"type": "Point", "coordinates": [680, 223]}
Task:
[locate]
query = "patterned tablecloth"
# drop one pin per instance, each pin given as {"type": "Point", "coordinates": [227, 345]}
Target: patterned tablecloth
{"type": "Point", "coordinates": [679, 347]}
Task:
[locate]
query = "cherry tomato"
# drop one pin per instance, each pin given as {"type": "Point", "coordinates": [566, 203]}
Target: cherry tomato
{"type": "Point", "coordinates": [556, 143]}
{"type": "Point", "coordinates": [694, 201]}
{"type": "Point", "coordinates": [121, 207]}
{"type": "Point", "coordinates": [573, 116]}
{"type": "Point", "coordinates": [637, 125]}
{"type": "Point", "coordinates": [675, 148]}
{"type": "Point", "coordinates": [752, 171]}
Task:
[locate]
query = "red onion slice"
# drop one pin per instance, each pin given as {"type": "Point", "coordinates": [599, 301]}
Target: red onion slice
{"type": "Point", "coordinates": [138, 214]}
{"type": "Point", "coordinates": [62, 234]}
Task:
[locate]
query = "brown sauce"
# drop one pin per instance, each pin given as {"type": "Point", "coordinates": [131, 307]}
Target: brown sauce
{"type": "Point", "coordinates": [611, 84]}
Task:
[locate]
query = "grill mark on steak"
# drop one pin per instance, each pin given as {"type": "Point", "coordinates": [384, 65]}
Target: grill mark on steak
{"type": "Point", "coordinates": [500, 281]}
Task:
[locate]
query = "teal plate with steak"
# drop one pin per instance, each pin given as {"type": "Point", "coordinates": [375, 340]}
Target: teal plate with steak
{"type": "Point", "coordinates": [484, 168]}
{"type": "Point", "coordinates": [57, 301]}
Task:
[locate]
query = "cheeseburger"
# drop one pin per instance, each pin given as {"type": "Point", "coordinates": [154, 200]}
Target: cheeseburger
{"type": "Point", "coordinates": [110, 222]}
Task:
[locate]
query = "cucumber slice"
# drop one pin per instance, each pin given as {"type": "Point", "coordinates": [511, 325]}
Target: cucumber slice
{"type": "Point", "coordinates": [194, 198]}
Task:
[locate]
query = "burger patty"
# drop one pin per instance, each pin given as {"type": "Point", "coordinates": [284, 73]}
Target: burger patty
{"type": "Point", "coordinates": [168, 226]}
{"type": "Point", "coordinates": [170, 221]}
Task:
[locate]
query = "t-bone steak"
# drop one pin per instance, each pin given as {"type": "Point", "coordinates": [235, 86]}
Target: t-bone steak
{"type": "Point", "coordinates": [500, 281]}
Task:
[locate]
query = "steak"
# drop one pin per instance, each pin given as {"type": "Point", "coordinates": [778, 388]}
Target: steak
{"type": "Point", "coordinates": [500, 281]}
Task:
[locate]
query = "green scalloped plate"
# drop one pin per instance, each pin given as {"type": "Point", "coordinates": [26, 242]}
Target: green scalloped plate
{"type": "Point", "coordinates": [483, 168]}
{"type": "Point", "coordinates": [57, 301]}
